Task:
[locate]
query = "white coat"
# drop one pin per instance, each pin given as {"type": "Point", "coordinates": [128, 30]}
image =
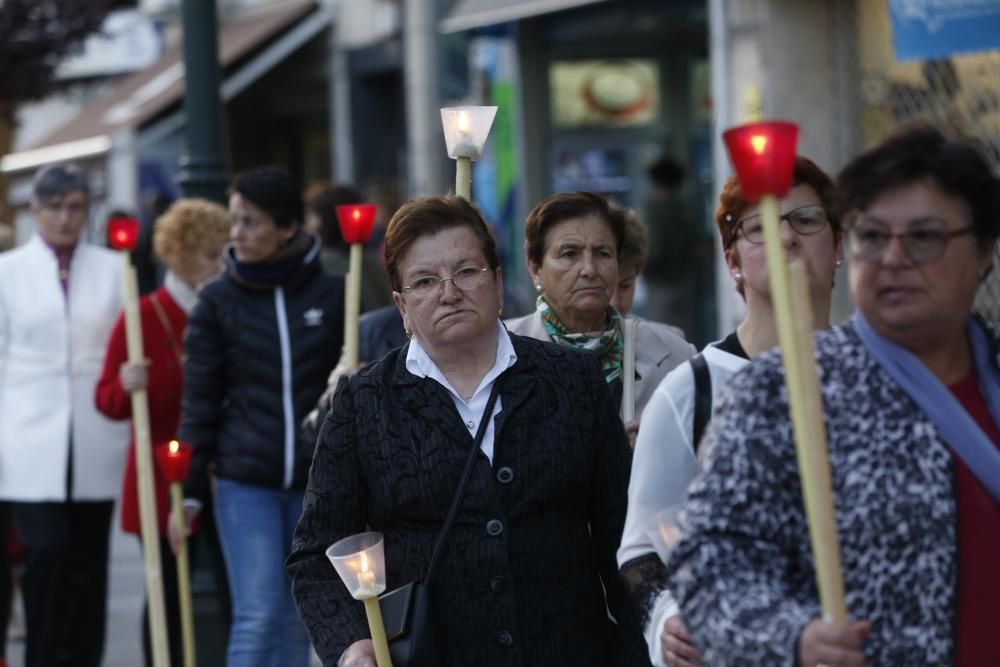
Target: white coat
{"type": "Point", "coordinates": [52, 349]}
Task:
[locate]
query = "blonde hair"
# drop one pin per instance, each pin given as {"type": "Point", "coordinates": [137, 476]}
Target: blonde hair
{"type": "Point", "coordinates": [189, 228]}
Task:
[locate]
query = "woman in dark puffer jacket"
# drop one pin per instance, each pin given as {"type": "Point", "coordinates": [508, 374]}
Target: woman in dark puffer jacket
{"type": "Point", "coordinates": [259, 347]}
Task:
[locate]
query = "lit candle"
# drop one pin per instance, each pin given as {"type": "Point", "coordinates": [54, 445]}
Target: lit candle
{"type": "Point", "coordinates": [366, 580]}
{"type": "Point", "coordinates": [466, 145]}
{"type": "Point", "coordinates": [360, 562]}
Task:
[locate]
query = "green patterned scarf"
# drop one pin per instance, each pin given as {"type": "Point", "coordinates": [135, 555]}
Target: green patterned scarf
{"type": "Point", "coordinates": [609, 345]}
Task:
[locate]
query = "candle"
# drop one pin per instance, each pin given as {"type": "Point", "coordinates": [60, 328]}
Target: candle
{"type": "Point", "coordinates": [367, 585]}
{"type": "Point", "coordinates": [465, 145]}
{"type": "Point", "coordinates": [175, 460]}
{"type": "Point", "coordinates": [360, 562]}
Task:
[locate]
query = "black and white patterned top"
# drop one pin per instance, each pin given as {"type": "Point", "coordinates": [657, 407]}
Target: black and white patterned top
{"type": "Point", "coordinates": [743, 572]}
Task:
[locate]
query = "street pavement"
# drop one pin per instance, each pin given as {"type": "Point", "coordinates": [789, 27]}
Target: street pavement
{"type": "Point", "coordinates": [123, 647]}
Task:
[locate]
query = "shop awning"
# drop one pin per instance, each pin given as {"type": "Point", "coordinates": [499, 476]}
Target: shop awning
{"type": "Point", "coordinates": [470, 14]}
{"type": "Point", "coordinates": [248, 48]}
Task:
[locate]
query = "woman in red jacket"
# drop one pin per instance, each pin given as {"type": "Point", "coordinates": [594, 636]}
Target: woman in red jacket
{"type": "Point", "coordinates": [188, 239]}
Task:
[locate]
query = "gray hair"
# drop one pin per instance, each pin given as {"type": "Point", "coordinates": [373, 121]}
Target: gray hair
{"type": "Point", "coordinates": [58, 181]}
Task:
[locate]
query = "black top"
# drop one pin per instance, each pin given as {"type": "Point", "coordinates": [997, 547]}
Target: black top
{"type": "Point", "coordinates": [732, 345]}
{"type": "Point", "coordinates": [259, 346]}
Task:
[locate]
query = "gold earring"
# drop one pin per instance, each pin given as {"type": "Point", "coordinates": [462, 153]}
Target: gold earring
{"type": "Point", "coordinates": [500, 312]}
{"type": "Point", "coordinates": [409, 334]}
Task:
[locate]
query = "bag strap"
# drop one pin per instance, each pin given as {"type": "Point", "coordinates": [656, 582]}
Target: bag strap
{"type": "Point", "coordinates": [702, 399]}
{"type": "Point", "coordinates": [449, 520]}
{"type": "Point", "coordinates": [167, 329]}
{"type": "Point", "coordinates": [628, 371]}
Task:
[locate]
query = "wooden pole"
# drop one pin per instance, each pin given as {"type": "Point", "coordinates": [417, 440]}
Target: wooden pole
{"type": "Point", "coordinates": [377, 628]}
{"type": "Point", "coordinates": [806, 409]}
{"type": "Point", "coordinates": [463, 178]}
{"type": "Point", "coordinates": [183, 576]}
{"type": "Point", "coordinates": [144, 468]}
{"type": "Point", "coordinates": [352, 307]}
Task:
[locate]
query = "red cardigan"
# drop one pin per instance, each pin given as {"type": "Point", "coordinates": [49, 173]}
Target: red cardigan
{"type": "Point", "coordinates": [165, 373]}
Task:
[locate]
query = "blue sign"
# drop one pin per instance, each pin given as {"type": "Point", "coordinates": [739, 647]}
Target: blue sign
{"type": "Point", "coordinates": [926, 29]}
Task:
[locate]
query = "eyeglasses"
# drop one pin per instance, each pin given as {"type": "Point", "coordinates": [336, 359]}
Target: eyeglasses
{"type": "Point", "coordinates": [923, 245]}
{"type": "Point", "coordinates": [805, 220]}
{"type": "Point", "coordinates": [467, 278]}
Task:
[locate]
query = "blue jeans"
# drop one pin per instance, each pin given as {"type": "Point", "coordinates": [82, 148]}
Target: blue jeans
{"type": "Point", "coordinates": [255, 527]}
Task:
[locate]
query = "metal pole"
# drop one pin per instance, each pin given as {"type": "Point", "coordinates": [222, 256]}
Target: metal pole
{"type": "Point", "coordinates": [203, 164]}
{"type": "Point", "coordinates": [423, 119]}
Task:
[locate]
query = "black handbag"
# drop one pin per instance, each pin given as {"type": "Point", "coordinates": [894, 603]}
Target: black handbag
{"type": "Point", "coordinates": [407, 611]}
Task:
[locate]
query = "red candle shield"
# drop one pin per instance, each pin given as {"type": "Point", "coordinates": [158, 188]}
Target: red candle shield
{"type": "Point", "coordinates": [174, 459]}
{"type": "Point", "coordinates": [763, 155]}
{"type": "Point", "coordinates": [123, 233]}
{"type": "Point", "coordinates": [356, 221]}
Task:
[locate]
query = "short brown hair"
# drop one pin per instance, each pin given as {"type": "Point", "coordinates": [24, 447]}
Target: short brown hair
{"type": "Point", "coordinates": [190, 227]}
{"type": "Point", "coordinates": [732, 204]}
{"type": "Point", "coordinates": [635, 249]}
{"type": "Point", "coordinates": [427, 216]}
{"type": "Point", "coordinates": [922, 152]}
{"type": "Point", "coordinates": [564, 206]}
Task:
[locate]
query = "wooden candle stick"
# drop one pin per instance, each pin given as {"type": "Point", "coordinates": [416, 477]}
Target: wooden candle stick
{"type": "Point", "coordinates": [175, 462]}
{"type": "Point", "coordinates": [123, 234]}
{"type": "Point", "coordinates": [763, 155]}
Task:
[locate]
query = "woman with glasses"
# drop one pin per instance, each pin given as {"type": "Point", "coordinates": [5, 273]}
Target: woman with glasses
{"type": "Point", "coordinates": [574, 241]}
{"type": "Point", "coordinates": [911, 396]}
{"type": "Point", "coordinates": [666, 452]}
{"type": "Point", "coordinates": [527, 575]}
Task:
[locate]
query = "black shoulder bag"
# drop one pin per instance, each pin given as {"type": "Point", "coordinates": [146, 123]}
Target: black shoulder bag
{"type": "Point", "coordinates": [407, 612]}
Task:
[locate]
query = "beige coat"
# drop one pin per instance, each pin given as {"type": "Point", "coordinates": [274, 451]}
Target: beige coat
{"type": "Point", "coordinates": [659, 348]}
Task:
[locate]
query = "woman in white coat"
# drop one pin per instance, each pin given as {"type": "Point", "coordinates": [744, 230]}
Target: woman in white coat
{"type": "Point", "coordinates": [666, 451]}
{"type": "Point", "coordinates": [60, 460]}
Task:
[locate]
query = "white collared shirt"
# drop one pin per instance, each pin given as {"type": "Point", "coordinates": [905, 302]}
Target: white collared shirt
{"type": "Point", "coordinates": [180, 292]}
{"type": "Point", "coordinates": [419, 363]}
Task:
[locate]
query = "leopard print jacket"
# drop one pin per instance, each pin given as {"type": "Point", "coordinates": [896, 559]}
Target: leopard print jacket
{"type": "Point", "coordinates": [743, 572]}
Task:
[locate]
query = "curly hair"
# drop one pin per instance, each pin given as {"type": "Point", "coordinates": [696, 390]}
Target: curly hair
{"type": "Point", "coordinates": [190, 227]}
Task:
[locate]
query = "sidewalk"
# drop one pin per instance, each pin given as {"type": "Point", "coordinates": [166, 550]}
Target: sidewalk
{"type": "Point", "coordinates": [125, 595]}
{"type": "Point", "coordinates": [123, 647]}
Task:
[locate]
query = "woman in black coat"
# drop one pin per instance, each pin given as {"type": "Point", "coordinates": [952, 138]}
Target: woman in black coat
{"type": "Point", "coordinates": [528, 573]}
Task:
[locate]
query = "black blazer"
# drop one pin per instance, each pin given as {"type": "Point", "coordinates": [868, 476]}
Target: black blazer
{"type": "Point", "coordinates": [520, 582]}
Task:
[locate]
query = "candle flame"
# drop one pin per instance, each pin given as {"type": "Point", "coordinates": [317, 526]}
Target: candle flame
{"type": "Point", "coordinates": [364, 562]}
{"type": "Point", "coordinates": [174, 446]}
{"type": "Point", "coordinates": [759, 143]}
{"type": "Point", "coordinates": [357, 214]}
{"type": "Point", "coordinates": [463, 121]}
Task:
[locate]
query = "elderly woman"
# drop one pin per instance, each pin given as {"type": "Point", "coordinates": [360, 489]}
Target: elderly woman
{"type": "Point", "coordinates": [911, 397]}
{"type": "Point", "coordinates": [188, 239]}
{"type": "Point", "coordinates": [260, 343]}
{"type": "Point", "coordinates": [665, 459]}
{"type": "Point", "coordinates": [527, 575]}
{"type": "Point", "coordinates": [573, 242]}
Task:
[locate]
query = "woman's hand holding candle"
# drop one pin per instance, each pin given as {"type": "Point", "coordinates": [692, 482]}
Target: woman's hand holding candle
{"type": "Point", "coordinates": [359, 654]}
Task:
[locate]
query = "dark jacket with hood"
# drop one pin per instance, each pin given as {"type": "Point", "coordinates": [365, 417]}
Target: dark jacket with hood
{"type": "Point", "coordinates": [259, 347]}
